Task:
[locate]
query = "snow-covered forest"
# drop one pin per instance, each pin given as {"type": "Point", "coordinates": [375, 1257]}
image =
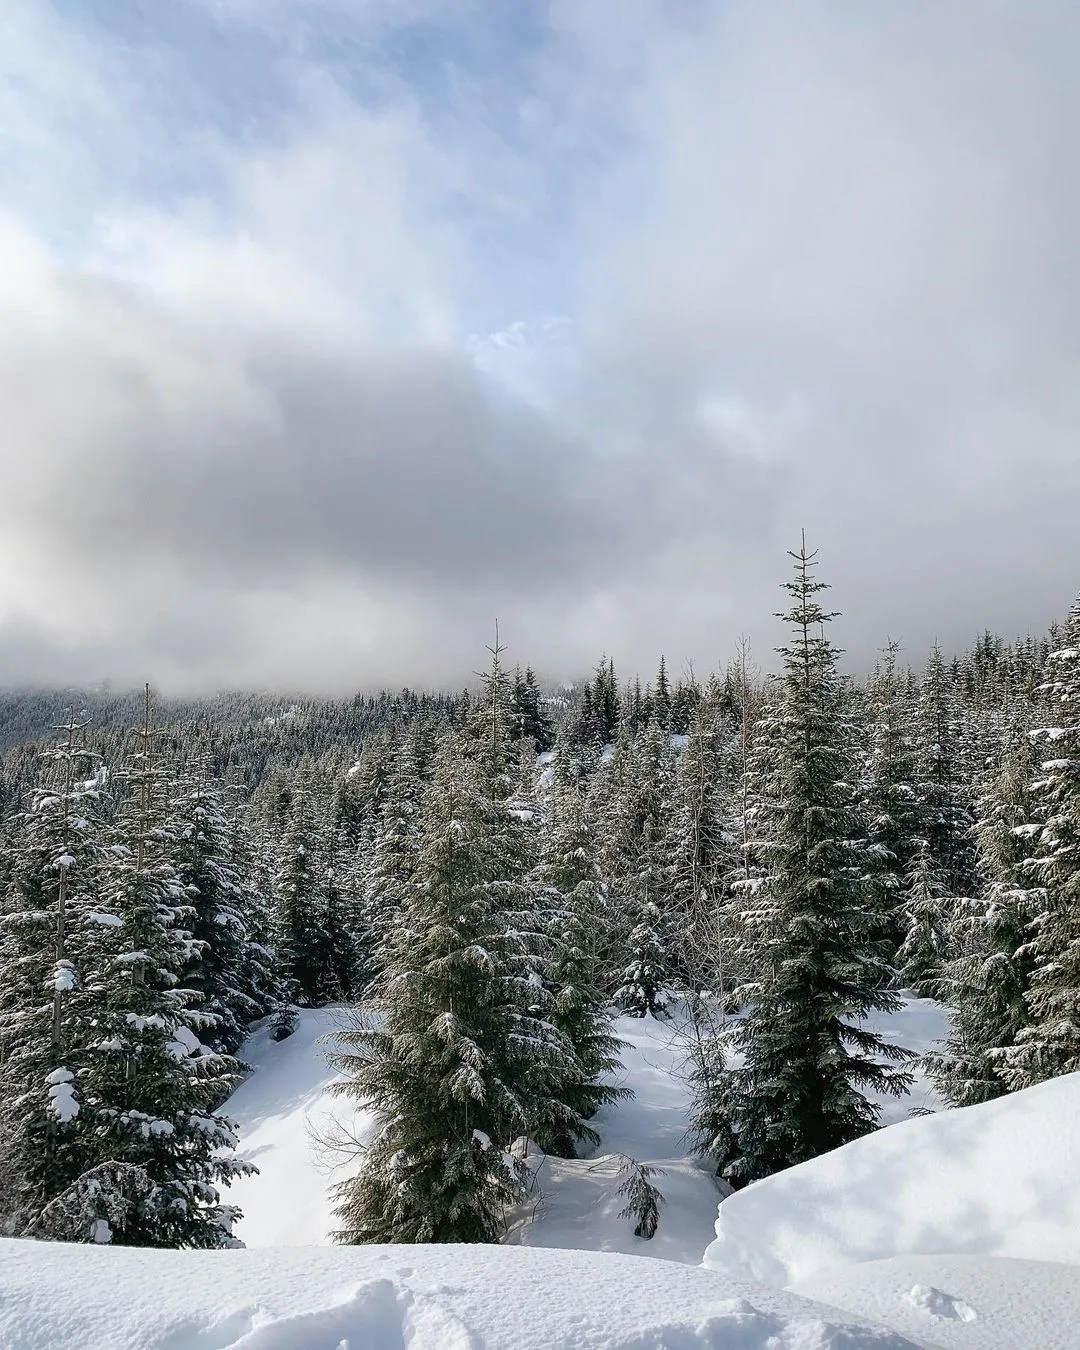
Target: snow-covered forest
{"type": "Point", "coordinates": [771, 865]}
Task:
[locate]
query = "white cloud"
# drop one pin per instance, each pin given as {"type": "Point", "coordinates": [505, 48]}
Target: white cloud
{"type": "Point", "coordinates": [581, 338]}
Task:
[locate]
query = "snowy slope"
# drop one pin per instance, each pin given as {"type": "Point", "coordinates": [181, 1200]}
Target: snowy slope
{"type": "Point", "coordinates": [57, 1297]}
{"type": "Point", "coordinates": [961, 1302]}
{"type": "Point", "coordinates": [1001, 1179]}
{"type": "Point", "coordinates": [283, 1108]}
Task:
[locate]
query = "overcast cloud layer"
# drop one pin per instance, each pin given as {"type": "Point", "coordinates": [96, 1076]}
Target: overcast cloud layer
{"type": "Point", "coordinates": [334, 329]}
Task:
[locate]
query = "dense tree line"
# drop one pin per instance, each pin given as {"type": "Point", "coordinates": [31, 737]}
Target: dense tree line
{"type": "Point", "coordinates": [487, 878]}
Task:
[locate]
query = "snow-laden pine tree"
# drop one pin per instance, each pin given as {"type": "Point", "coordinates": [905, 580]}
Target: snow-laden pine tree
{"type": "Point", "coordinates": [154, 1148]}
{"type": "Point", "coordinates": [462, 1060]}
{"type": "Point", "coordinates": [606, 794]}
{"type": "Point", "coordinates": [347, 939]}
{"type": "Point", "coordinates": [987, 982]}
{"type": "Point", "coordinates": [638, 878]}
{"type": "Point", "coordinates": [569, 887]}
{"type": "Point", "coordinates": [528, 721]}
{"type": "Point", "coordinates": [47, 917]}
{"type": "Point", "coordinates": [205, 856]}
{"type": "Point", "coordinates": [941, 878]}
{"type": "Point", "coordinates": [543, 1061]}
{"type": "Point", "coordinates": [929, 915]}
{"type": "Point", "coordinates": [395, 846]}
{"type": "Point", "coordinates": [943, 793]}
{"type": "Point", "coordinates": [1051, 1044]}
{"type": "Point", "coordinates": [261, 976]}
{"type": "Point", "coordinates": [661, 697]}
{"type": "Point", "coordinates": [644, 991]}
{"type": "Point", "coordinates": [813, 934]}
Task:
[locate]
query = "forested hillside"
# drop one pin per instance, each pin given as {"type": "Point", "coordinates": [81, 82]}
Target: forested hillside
{"type": "Point", "coordinates": [488, 875]}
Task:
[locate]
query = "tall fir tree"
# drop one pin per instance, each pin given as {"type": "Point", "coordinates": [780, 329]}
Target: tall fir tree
{"type": "Point", "coordinates": [699, 849]}
{"type": "Point", "coordinates": [889, 795]}
{"type": "Point", "coordinates": [638, 878]}
{"type": "Point", "coordinates": [463, 1060]}
{"type": "Point", "coordinates": [46, 922]}
{"type": "Point", "coordinates": [815, 936]}
{"type": "Point", "coordinates": [155, 1150]}
{"type": "Point", "coordinates": [220, 970]}
{"type": "Point", "coordinates": [528, 721]}
{"type": "Point", "coordinates": [943, 793]}
{"type": "Point", "coordinates": [1050, 1045]}
{"type": "Point", "coordinates": [396, 845]}
{"type": "Point", "coordinates": [303, 936]}
{"type": "Point", "coordinates": [661, 696]}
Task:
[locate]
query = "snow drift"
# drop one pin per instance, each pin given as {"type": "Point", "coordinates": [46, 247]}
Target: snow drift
{"type": "Point", "coordinates": [1001, 1179]}
{"type": "Point", "coordinates": [57, 1297]}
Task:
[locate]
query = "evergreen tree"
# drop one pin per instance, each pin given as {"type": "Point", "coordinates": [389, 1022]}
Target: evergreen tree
{"type": "Point", "coordinates": [641, 876]}
{"type": "Point", "coordinates": [440, 1067]}
{"type": "Point", "coordinates": [643, 991]}
{"type": "Point", "coordinates": [600, 710]}
{"type": "Point", "coordinates": [570, 886]}
{"type": "Point", "coordinates": [927, 915]}
{"type": "Point", "coordinates": [661, 698]}
{"type": "Point", "coordinates": [218, 972]}
{"type": "Point", "coordinates": [261, 980]}
{"type": "Point", "coordinates": [684, 704]}
{"type": "Point", "coordinates": [699, 852]}
{"type": "Point", "coordinates": [346, 939]}
{"type": "Point", "coordinates": [463, 1061]}
{"type": "Point", "coordinates": [527, 717]}
{"type": "Point", "coordinates": [1050, 1045]}
{"type": "Point", "coordinates": [46, 919]}
{"type": "Point", "coordinates": [303, 936]}
{"type": "Point", "coordinates": [396, 845]}
{"type": "Point", "coordinates": [987, 983]}
{"type": "Point", "coordinates": [946, 820]}
{"type": "Point", "coordinates": [815, 936]}
{"type": "Point", "coordinates": [148, 1084]}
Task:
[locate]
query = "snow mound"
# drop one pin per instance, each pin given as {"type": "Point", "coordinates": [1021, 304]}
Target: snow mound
{"type": "Point", "coordinates": [1000, 1179]}
{"type": "Point", "coordinates": [961, 1302]}
{"type": "Point", "coordinates": [59, 1297]}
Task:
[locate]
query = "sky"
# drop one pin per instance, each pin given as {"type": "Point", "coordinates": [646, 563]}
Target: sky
{"type": "Point", "coordinates": [336, 330]}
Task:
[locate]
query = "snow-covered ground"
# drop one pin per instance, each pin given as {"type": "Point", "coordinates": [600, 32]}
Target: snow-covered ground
{"type": "Point", "coordinates": [285, 1108]}
{"type": "Point", "coordinates": [961, 1302]}
{"type": "Point", "coordinates": [55, 1297]}
{"type": "Point", "coordinates": [1001, 1179]}
{"type": "Point", "coordinates": [957, 1231]}
{"type": "Point", "coordinates": [960, 1229]}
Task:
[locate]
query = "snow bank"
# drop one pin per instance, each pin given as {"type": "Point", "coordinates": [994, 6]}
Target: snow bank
{"type": "Point", "coordinates": [961, 1302]}
{"type": "Point", "coordinates": [1001, 1179]}
{"type": "Point", "coordinates": [57, 1297]}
